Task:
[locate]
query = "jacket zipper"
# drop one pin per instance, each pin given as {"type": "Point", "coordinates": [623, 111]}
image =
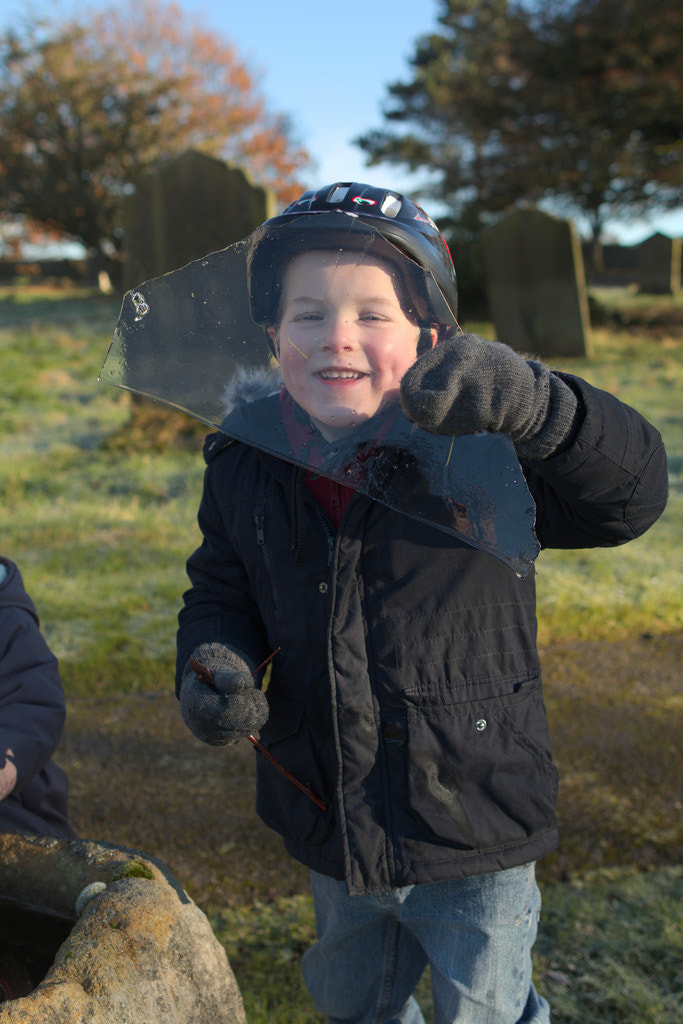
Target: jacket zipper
{"type": "Point", "coordinates": [267, 560]}
{"type": "Point", "coordinates": [329, 534]}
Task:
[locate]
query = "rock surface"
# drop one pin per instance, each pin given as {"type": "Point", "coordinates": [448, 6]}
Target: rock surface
{"type": "Point", "coordinates": [140, 952]}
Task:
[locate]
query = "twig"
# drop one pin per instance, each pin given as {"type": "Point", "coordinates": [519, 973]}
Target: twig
{"type": "Point", "coordinates": [205, 675]}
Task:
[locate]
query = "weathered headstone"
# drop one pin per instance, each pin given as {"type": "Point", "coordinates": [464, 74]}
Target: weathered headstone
{"type": "Point", "coordinates": [180, 212]}
{"type": "Point", "coordinates": [120, 940]}
{"type": "Point", "coordinates": [186, 208]}
{"type": "Point", "coordinates": [619, 264]}
{"type": "Point", "coordinates": [536, 284]}
{"type": "Point", "coordinates": [659, 265]}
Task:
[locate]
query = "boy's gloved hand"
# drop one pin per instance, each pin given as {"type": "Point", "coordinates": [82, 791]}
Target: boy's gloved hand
{"type": "Point", "coordinates": [229, 707]}
{"type": "Point", "coordinates": [468, 384]}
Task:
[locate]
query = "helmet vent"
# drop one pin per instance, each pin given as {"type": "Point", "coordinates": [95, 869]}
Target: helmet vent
{"type": "Point", "coordinates": [339, 193]}
{"type": "Point", "coordinates": [391, 206]}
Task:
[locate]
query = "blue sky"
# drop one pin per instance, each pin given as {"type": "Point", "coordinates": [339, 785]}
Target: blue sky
{"type": "Point", "coordinates": [327, 65]}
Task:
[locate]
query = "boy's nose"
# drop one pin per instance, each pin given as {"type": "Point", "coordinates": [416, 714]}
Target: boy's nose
{"type": "Point", "coordinates": [338, 334]}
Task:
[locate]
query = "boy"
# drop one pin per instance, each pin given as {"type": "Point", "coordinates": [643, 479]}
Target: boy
{"type": "Point", "coordinates": [405, 694]}
{"type": "Point", "coordinates": [33, 789]}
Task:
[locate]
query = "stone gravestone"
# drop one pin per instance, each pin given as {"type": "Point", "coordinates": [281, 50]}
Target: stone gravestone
{"type": "Point", "coordinates": [182, 211]}
{"type": "Point", "coordinates": [536, 285]}
{"type": "Point", "coordinates": [186, 208]}
{"type": "Point", "coordinates": [659, 265]}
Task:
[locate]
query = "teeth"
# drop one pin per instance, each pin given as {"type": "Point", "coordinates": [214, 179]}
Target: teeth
{"type": "Point", "coordinates": [341, 375]}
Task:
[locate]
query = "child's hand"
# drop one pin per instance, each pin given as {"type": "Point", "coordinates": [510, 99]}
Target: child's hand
{"type": "Point", "coordinates": [468, 384]}
{"type": "Point", "coordinates": [8, 775]}
{"type": "Point", "coordinates": [227, 708]}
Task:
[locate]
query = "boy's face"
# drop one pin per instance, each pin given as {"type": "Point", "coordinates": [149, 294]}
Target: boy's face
{"type": "Point", "coordinates": [343, 339]}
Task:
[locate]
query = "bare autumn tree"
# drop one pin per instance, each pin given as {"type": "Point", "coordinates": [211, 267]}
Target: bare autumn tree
{"type": "Point", "coordinates": [86, 106]}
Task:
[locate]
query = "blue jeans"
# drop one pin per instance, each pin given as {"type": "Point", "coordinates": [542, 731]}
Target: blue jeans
{"type": "Point", "coordinates": [476, 934]}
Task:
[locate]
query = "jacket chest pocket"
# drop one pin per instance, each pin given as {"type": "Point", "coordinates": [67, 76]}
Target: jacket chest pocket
{"type": "Point", "coordinates": [266, 559]}
{"type": "Point", "coordinates": [479, 774]}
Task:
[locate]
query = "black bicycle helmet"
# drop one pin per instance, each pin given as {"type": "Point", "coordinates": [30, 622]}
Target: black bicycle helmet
{"type": "Point", "coordinates": [350, 215]}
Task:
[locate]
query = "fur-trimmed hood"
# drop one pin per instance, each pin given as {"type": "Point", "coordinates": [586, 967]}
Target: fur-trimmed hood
{"type": "Point", "coordinates": [248, 384]}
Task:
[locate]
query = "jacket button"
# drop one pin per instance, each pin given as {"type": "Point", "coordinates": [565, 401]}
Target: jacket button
{"type": "Point", "coordinates": [322, 587]}
{"type": "Point", "coordinates": [480, 724]}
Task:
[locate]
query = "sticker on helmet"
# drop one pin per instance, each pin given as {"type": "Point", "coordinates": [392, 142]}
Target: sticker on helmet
{"type": "Point", "coordinates": [425, 220]}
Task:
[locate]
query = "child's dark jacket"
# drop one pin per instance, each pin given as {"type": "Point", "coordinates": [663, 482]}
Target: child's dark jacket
{"type": "Point", "coordinates": [407, 687]}
{"type": "Point", "coordinates": [32, 713]}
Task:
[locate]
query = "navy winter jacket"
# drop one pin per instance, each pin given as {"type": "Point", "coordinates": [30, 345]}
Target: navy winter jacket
{"type": "Point", "coordinates": [407, 687]}
{"type": "Point", "coordinates": [32, 714]}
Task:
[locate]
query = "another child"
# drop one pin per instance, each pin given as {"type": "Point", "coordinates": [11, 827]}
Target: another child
{"type": "Point", "coordinates": [405, 695]}
{"type": "Point", "coordinates": [33, 789]}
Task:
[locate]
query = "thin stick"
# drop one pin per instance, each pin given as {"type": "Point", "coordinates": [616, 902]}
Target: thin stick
{"type": "Point", "coordinates": [205, 675]}
{"type": "Point", "coordinates": [202, 672]}
{"type": "Point", "coordinates": [305, 787]}
{"type": "Point", "coordinates": [264, 663]}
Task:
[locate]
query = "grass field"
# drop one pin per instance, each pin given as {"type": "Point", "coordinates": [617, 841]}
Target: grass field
{"type": "Point", "coordinates": [99, 511]}
{"type": "Point", "coordinates": [609, 951]}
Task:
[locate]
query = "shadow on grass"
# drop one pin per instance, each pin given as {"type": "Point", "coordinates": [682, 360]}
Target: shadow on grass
{"type": "Point", "coordinates": [615, 713]}
{"type": "Point", "coordinates": [609, 943]}
{"type": "Point", "coordinates": [140, 779]}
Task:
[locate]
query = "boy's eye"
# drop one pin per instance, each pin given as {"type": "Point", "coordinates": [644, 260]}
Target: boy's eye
{"type": "Point", "coordinates": [317, 315]}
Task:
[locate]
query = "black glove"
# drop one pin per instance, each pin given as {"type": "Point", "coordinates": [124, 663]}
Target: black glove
{"type": "Point", "coordinates": [468, 384]}
{"type": "Point", "coordinates": [224, 704]}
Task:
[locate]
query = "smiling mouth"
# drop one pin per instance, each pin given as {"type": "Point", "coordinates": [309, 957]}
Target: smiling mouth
{"type": "Point", "coordinates": [341, 375]}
